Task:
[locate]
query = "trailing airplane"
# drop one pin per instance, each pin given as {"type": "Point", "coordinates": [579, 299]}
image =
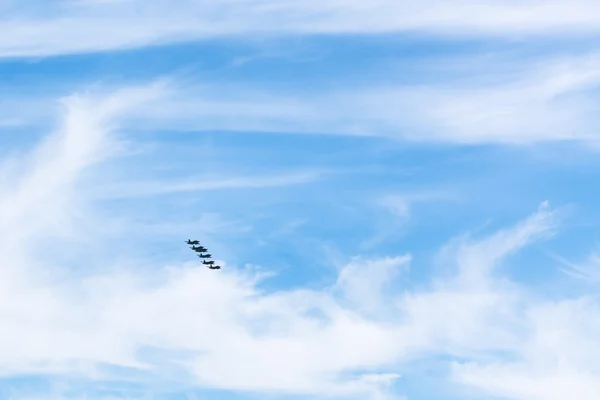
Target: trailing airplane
{"type": "Point", "coordinates": [214, 267]}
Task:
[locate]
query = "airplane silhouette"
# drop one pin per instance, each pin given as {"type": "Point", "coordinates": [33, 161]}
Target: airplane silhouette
{"type": "Point", "coordinates": [201, 249]}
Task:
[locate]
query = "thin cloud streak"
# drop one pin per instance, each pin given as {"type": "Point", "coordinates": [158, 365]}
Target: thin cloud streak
{"type": "Point", "coordinates": [116, 25]}
{"type": "Point", "coordinates": [173, 186]}
{"type": "Point", "coordinates": [552, 100]}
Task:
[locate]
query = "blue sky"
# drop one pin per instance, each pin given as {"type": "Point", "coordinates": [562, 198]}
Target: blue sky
{"type": "Point", "coordinates": [402, 195]}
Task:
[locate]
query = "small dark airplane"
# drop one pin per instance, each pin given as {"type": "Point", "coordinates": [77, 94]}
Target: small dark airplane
{"type": "Point", "coordinates": [192, 242]}
{"type": "Point", "coordinates": [204, 255]}
{"type": "Point", "coordinates": [200, 249]}
{"type": "Point", "coordinates": [214, 267]}
{"type": "Point", "coordinates": [207, 262]}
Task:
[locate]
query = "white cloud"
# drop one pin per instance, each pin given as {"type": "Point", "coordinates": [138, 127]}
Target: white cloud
{"type": "Point", "coordinates": [548, 102]}
{"type": "Point", "coordinates": [550, 99]}
{"type": "Point", "coordinates": [65, 321]}
{"type": "Point", "coordinates": [398, 205]}
{"type": "Point", "coordinates": [588, 270]}
{"type": "Point", "coordinates": [557, 357]}
{"type": "Point", "coordinates": [365, 283]}
{"type": "Point", "coordinates": [476, 262]}
{"type": "Point", "coordinates": [39, 200]}
{"type": "Point", "coordinates": [398, 209]}
{"type": "Point", "coordinates": [469, 311]}
{"type": "Point", "coordinates": [346, 340]}
{"type": "Point", "coordinates": [84, 26]}
{"type": "Point", "coordinates": [156, 188]}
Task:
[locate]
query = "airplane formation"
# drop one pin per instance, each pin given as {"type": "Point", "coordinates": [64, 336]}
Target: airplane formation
{"type": "Point", "coordinates": [205, 257]}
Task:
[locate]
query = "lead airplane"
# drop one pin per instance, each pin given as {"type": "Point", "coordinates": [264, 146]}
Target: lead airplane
{"type": "Point", "coordinates": [192, 242]}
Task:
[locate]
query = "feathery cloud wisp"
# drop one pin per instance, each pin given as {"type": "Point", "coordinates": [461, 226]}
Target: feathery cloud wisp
{"type": "Point", "coordinates": [292, 341]}
{"type": "Point", "coordinates": [134, 23]}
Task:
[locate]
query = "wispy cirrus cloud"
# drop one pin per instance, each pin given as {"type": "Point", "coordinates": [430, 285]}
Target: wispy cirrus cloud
{"type": "Point", "coordinates": [550, 99]}
{"type": "Point", "coordinates": [350, 338]}
{"type": "Point", "coordinates": [587, 270]}
{"type": "Point", "coordinates": [496, 100]}
{"type": "Point", "coordinates": [272, 158]}
{"type": "Point", "coordinates": [169, 187]}
{"type": "Point", "coordinates": [47, 175]}
{"type": "Point", "coordinates": [31, 31]}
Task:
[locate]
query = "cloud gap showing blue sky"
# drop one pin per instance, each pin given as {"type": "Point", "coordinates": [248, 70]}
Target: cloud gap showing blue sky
{"type": "Point", "coordinates": [401, 193]}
